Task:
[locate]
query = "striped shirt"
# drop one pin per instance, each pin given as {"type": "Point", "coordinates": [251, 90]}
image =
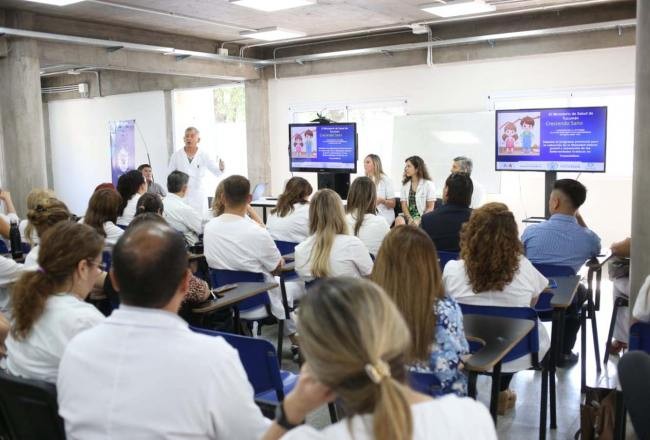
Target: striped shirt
{"type": "Point", "coordinates": [560, 241]}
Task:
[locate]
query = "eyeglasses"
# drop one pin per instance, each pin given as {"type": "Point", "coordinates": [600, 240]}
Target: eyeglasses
{"type": "Point", "coordinates": [101, 265]}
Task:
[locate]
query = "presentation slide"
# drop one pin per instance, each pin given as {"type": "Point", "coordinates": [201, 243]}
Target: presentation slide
{"type": "Point", "coordinates": [322, 147]}
{"type": "Point", "coordinates": [560, 139]}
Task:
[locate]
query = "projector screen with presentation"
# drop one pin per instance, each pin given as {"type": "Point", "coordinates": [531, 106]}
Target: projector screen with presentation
{"type": "Point", "coordinates": [552, 139]}
{"type": "Point", "coordinates": [323, 148]}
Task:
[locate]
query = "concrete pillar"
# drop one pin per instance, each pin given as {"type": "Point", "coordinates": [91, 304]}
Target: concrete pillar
{"type": "Point", "coordinates": [169, 122]}
{"type": "Point", "coordinates": [257, 131]}
{"type": "Point", "coordinates": [640, 266]}
{"type": "Point", "coordinates": [21, 116]}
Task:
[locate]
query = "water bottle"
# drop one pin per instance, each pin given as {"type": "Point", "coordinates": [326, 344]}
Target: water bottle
{"type": "Point", "coordinates": [14, 240]}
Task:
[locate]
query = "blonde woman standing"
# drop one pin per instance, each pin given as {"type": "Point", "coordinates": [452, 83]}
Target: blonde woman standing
{"type": "Point", "coordinates": [355, 343]}
{"type": "Point", "coordinates": [329, 251]}
{"type": "Point", "coordinates": [385, 192]}
{"type": "Point", "coordinates": [361, 214]}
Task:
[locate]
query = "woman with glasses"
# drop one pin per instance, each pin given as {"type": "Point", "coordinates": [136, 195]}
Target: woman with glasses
{"type": "Point", "coordinates": [49, 306]}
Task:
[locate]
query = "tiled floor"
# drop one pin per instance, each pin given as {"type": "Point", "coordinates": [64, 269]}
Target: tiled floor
{"type": "Point", "coordinates": [523, 421]}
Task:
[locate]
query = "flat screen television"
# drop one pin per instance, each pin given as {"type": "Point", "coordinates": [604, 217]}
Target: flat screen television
{"type": "Point", "coordinates": [551, 139]}
{"type": "Point", "coordinates": [323, 148]}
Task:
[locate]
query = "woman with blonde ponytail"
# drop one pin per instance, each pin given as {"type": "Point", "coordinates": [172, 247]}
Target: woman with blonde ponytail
{"type": "Point", "coordinates": [355, 344]}
{"type": "Point", "coordinates": [49, 305]}
{"type": "Point", "coordinates": [329, 251]}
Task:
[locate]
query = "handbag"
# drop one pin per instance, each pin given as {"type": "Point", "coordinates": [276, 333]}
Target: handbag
{"type": "Point", "coordinates": [597, 415]}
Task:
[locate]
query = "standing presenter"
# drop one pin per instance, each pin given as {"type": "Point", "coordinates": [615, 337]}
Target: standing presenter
{"type": "Point", "coordinates": [194, 163]}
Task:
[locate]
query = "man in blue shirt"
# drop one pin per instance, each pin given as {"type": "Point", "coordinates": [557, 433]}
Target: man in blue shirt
{"type": "Point", "coordinates": [564, 240]}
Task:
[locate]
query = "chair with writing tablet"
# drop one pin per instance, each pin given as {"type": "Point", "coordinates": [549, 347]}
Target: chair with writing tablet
{"type": "Point", "coordinates": [445, 257]}
{"type": "Point", "coordinates": [425, 382]}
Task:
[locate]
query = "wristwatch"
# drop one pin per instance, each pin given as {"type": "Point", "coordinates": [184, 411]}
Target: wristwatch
{"type": "Point", "coordinates": [281, 418]}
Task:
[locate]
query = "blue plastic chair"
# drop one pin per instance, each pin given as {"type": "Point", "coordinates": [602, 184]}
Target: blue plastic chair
{"type": "Point", "coordinates": [221, 277]}
{"type": "Point", "coordinates": [528, 345]}
{"type": "Point", "coordinates": [445, 257]}
{"type": "Point", "coordinates": [4, 249]}
{"type": "Point", "coordinates": [425, 382]}
{"type": "Point", "coordinates": [640, 337]}
{"type": "Point", "coordinates": [285, 247]}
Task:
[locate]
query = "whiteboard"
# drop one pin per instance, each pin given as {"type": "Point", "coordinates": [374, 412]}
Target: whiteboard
{"type": "Point", "coordinates": [438, 138]}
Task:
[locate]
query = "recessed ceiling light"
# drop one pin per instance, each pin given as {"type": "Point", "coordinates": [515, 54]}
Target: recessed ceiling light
{"type": "Point", "coordinates": [454, 8]}
{"type": "Point", "coordinates": [57, 2]}
{"type": "Point", "coordinates": [273, 5]}
{"type": "Point", "coordinates": [272, 34]}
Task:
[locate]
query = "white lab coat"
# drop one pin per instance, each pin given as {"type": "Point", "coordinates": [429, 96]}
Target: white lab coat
{"type": "Point", "coordinates": [195, 196]}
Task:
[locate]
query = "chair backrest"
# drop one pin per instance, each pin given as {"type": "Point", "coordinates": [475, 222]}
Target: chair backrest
{"type": "Point", "coordinates": [259, 358]}
{"type": "Point", "coordinates": [550, 270]}
{"type": "Point", "coordinates": [29, 409]}
{"type": "Point", "coordinates": [26, 247]}
{"type": "Point", "coordinates": [285, 247]}
{"type": "Point", "coordinates": [425, 382]}
{"type": "Point", "coordinates": [3, 247]}
{"type": "Point", "coordinates": [221, 277]}
{"type": "Point", "coordinates": [528, 345]}
{"type": "Point", "coordinates": [445, 257]}
{"type": "Point", "coordinates": [633, 372]}
{"type": "Point", "coordinates": [640, 336]}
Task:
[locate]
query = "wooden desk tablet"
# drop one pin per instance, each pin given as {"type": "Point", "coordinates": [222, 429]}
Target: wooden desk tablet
{"type": "Point", "coordinates": [238, 294]}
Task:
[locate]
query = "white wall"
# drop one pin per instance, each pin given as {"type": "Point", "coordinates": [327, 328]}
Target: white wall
{"type": "Point", "coordinates": [466, 87]}
{"type": "Point", "coordinates": [80, 141]}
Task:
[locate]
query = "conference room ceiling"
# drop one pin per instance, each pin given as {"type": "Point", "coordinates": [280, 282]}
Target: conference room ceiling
{"type": "Point", "coordinates": [223, 21]}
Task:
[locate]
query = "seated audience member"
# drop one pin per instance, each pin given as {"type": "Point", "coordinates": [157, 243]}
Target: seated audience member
{"type": "Point", "coordinates": [462, 164]}
{"type": "Point", "coordinates": [385, 193]}
{"type": "Point", "coordinates": [418, 192]}
{"type": "Point", "coordinates": [494, 272]}
{"type": "Point", "coordinates": [619, 274]}
{"type": "Point", "coordinates": [218, 207]}
{"type": "Point", "coordinates": [143, 373]}
{"type": "Point", "coordinates": [407, 269]}
{"type": "Point", "coordinates": [27, 232]}
{"type": "Point", "coordinates": [443, 225]}
{"type": "Point", "coordinates": [641, 310]}
{"type": "Point", "coordinates": [47, 213]}
{"type": "Point", "coordinates": [179, 214]}
{"type": "Point", "coordinates": [564, 240]}
{"type": "Point", "coordinates": [363, 222]}
{"type": "Point", "coordinates": [231, 241]}
{"type": "Point", "coordinates": [5, 327]}
{"type": "Point", "coordinates": [131, 185]}
{"type": "Point", "coordinates": [152, 187]}
{"type": "Point", "coordinates": [289, 219]}
{"type": "Point", "coordinates": [149, 202]}
{"type": "Point", "coordinates": [102, 214]}
{"type": "Point", "coordinates": [105, 185]}
{"type": "Point", "coordinates": [10, 271]}
{"type": "Point", "coordinates": [355, 344]}
{"type": "Point", "coordinates": [49, 306]}
{"type": "Point", "coordinates": [9, 214]}
{"type": "Point", "coordinates": [329, 251]}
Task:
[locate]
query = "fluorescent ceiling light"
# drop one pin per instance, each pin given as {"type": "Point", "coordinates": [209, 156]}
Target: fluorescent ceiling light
{"type": "Point", "coordinates": [272, 34]}
{"type": "Point", "coordinates": [57, 2]}
{"type": "Point", "coordinates": [454, 8]}
{"type": "Point", "coordinates": [273, 5]}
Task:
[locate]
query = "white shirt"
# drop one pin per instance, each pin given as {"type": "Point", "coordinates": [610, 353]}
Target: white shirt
{"type": "Point", "coordinates": [372, 232]}
{"type": "Point", "coordinates": [22, 226]}
{"type": "Point", "coordinates": [425, 192]}
{"type": "Point", "coordinates": [183, 218]}
{"type": "Point", "coordinates": [293, 227]}
{"type": "Point", "coordinates": [31, 259]}
{"type": "Point", "coordinates": [129, 210]}
{"type": "Point", "coordinates": [201, 162]}
{"type": "Point", "coordinates": [113, 232]}
{"type": "Point", "coordinates": [526, 284]}
{"type": "Point", "coordinates": [143, 374]}
{"type": "Point", "coordinates": [349, 257]}
{"type": "Point", "coordinates": [641, 311]}
{"type": "Point", "coordinates": [38, 355]}
{"type": "Point", "coordinates": [232, 242]}
{"type": "Point", "coordinates": [10, 271]}
{"type": "Point", "coordinates": [385, 191]}
{"type": "Point", "coordinates": [447, 417]}
{"type": "Point", "coordinates": [478, 195]}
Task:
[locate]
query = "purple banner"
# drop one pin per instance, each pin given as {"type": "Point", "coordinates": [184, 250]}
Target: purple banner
{"type": "Point", "coordinates": [122, 135]}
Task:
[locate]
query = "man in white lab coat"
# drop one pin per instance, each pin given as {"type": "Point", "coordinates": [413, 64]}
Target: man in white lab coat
{"type": "Point", "coordinates": [194, 162]}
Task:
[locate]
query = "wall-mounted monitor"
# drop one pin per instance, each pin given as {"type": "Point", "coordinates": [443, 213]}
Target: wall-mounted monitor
{"type": "Point", "coordinates": [551, 139]}
{"type": "Point", "coordinates": [323, 148]}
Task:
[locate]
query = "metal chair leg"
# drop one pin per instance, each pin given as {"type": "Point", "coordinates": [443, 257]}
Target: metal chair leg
{"type": "Point", "coordinates": [494, 395]}
{"type": "Point", "coordinates": [332, 409]}
{"type": "Point", "coordinates": [594, 330]}
{"type": "Point", "coordinates": [471, 384]}
{"type": "Point", "coordinates": [280, 339]}
{"type": "Point", "coordinates": [618, 302]}
{"type": "Point", "coordinates": [552, 397]}
{"type": "Point", "coordinates": [543, 403]}
{"type": "Point", "coordinates": [583, 349]}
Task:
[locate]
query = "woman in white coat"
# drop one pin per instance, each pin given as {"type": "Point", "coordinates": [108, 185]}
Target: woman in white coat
{"type": "Point", "coordinates": [418, 192]}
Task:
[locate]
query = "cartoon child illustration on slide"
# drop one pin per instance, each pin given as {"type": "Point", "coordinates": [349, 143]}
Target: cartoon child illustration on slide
{"type": "Point", "coordinates": [510, 136]}
{"type": "Point", "coordinates": [309, 141]}
{"type": "Point", "coordinates": [527, 123]}
{"type": "Point", "coordinates": [297, 145]}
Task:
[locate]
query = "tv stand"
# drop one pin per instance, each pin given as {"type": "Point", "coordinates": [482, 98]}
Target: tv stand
{"type": "Point", "coordinates": [339, 182]}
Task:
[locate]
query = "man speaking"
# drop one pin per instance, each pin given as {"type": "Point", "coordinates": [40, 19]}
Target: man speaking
{"type": "Point", "coordinates": [194, 163]}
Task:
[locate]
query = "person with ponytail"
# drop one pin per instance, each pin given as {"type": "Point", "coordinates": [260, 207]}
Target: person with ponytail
{"type": "Point", "coordinates": [149, 202]}
{"type": "Point", "coordinates": [101, 214]}
{"type": "Point", "coordinates": [27, 231]}
{"type": "Point", "coordinates": [362, 217]}
{"type": "Point", "coordinates": [47, 213]}
{"type": "Point", "coordinates": [355, 343]}
{"type": "Point", "coordinates": [385, 195]}
{"type": "Point", "coordinates": [131, 185]}
{"type": "Point", "coordinates": [329, 251]}
{"type": "Point", "coordinates": [49, 306]}
{"type": "Point", "coordinates": [289, 220]}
